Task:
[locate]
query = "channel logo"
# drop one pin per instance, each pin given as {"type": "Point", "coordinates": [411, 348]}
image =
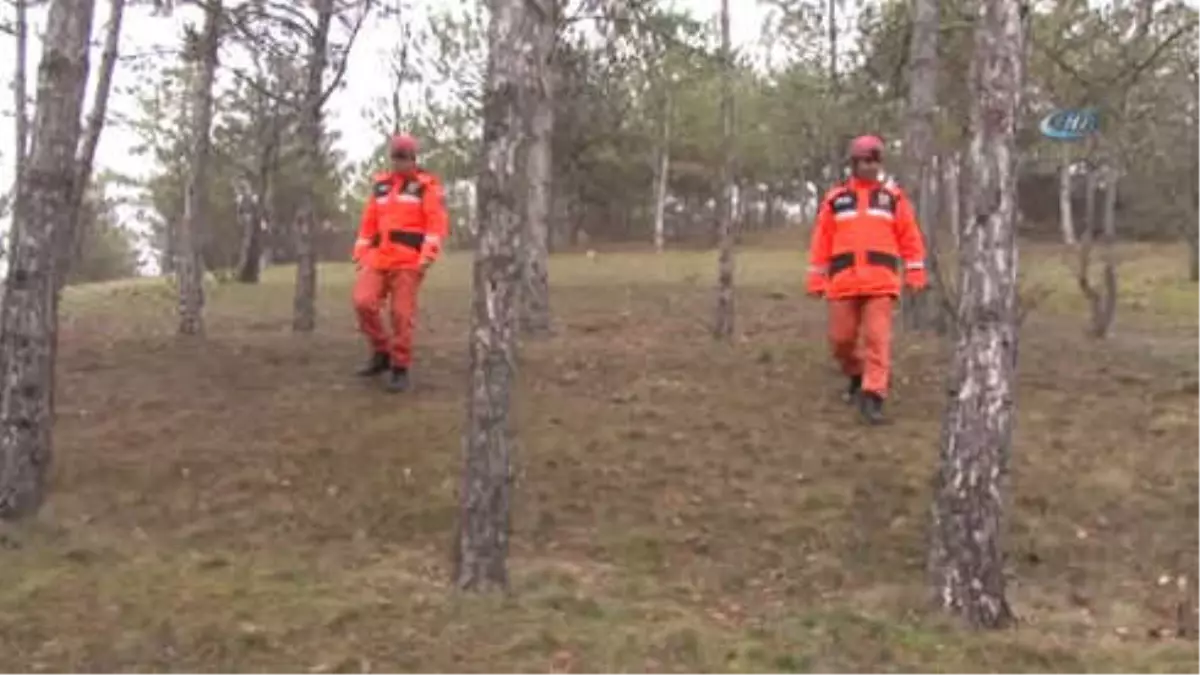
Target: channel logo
{"type": "Point", "coordinates": [1070, 124]}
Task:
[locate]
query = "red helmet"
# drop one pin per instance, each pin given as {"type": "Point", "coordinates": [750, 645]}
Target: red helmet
{"type": "Point", "coordinates": [865, 147]}
{"type": "Point", "coordinates": [404, 143]}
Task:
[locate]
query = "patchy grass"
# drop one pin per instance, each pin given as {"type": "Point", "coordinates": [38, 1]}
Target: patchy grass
{"type": "Point", "coordinates": [242, 503]}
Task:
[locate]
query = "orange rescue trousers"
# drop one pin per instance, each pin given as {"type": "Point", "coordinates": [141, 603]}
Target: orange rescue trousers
{"type": "Point", "coordinates": [870, 317]}
{"type": "Point", "coordinates": [370, 289]}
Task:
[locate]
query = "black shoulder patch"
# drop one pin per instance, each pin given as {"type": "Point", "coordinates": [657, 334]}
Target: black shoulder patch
{"type": "Point", "coordinates": [413, 188]}
{"type": "Point", "coordinates": [844, 201]}
{"type": "Point", "coordinates": [382, 188]}
{"type": "Point", "coordinates": [882, 199]}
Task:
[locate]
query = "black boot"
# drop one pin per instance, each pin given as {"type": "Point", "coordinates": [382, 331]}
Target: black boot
{"type": "Point", "coordinates": [853, 390]}
{"type": "Point", "coordinates": [398, 381]}
{"type": "Point", "coordinates": [378, 363]}
{"type": "Point", "coordinates": [871, 406]}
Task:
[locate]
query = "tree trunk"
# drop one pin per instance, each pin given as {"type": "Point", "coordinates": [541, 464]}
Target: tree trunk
{"type": "Point", "coordinates": [1065, 220]}
{"type": "Point", "coordinates": [72, 239]}
{"type": "Point", "coordinates": [739, 225]}
{"type": "Point", "coordinates": [723, 326]}
{"type": "Point", "coordinates": [1102, 301]}
{"type": "Point", "coordinates": [190, 264]}
{"type": "Point", "coordinates": [662, 181]}
{"type": "Point", "coordinates": [966, 555]}
{"type": "Point", "coordinates": [936, 313]}
{"type": "Point", "coordinates": [769, 220]}
{"type": "Point", "coordinates": [952, 195]}
{"type": "Point", "coordinates": [249, 212]}
{"type": "Point", "coordinates": [1193, 259]}
{"type": "Point", "coordinates": [831, 10]}
{"type": "Point", "coordinates": [304, 306]}
{"type": "Point", "coordinates": [28, 318]}
{"type": "Point", "coordinates": [254, 250]}
{"type": "Point", "coordinates": [918, 138]}
{"type": "Point", "coordinates": [1191, 227]}
{"type": "Point", "coordinates": [20, 94]}
{"type": "Point", "coordinates": [804, 219]}
{"type": "Point", "coordinates": [481, 545]}
{"type": "Point", "coordinates": [535, 315]}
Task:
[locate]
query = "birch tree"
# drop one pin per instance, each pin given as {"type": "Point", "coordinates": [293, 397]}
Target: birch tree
{"type": "Point", "coordinates": [316, 93]}
{"type": "Point", "coordinates": [304, 307]}
{"type": "Point", "coordinates": [1191, 227]}
{"type": "Point", "coordinates": [28, 320]}
{"type": "Point", "coordinates": [966, 556]}
{"type": "Point", "coordinates": [85, 157]}
{"type": "Point", "coordinates": [481, 545]}
{"type": "Point", "coordinates": [20, 88]}
{"type": "Point", "coordinates": [266, 124]}
{"type": "Point", "coordinates": [723, 326]}
{"type": "Point", "coordinates": [201, 53]}
{"type": "Point", "coordinates": [1102, 300]}
{"type": "Point", "coordinates": [535, 315]}
{"type": "Point", "coordinates": [1066, 221]}
{"type": "Point", "coordinates": [918, 141]}
{"type": "Point", "coordinates": [662, 177]}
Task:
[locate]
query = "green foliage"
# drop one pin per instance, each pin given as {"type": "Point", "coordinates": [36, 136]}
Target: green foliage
{"type": "Point", "coordinates": [619, 70]}
{"type": "Point", "coordinates": [105, 249]}
{"type": "Point", "coordinates": [254, 149]}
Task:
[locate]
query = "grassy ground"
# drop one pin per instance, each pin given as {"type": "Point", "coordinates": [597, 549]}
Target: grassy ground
{"type": "Point", "coordinates": [244, 504]}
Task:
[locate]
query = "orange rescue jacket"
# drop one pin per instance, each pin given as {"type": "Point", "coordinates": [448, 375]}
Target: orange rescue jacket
{"type": "Point", "coordinates": [403, 223]}
{"type": "Point", "coordinates": [864, 237]}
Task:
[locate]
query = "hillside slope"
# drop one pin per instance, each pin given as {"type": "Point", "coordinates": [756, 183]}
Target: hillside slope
{"type": "Point", "coordinates": [243, 503]}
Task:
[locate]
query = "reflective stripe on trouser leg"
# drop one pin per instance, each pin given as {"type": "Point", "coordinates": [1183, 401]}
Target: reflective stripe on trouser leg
{"type": "Point", "coordinates": [877, 343]}
{"type": "Point", "coordinates": [369, 290]}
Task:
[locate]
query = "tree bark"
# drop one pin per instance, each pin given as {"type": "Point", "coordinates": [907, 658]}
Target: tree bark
{"type": "Point", "coordinates": [1102, 301]}
{"type": "Point", "coordinates": [918, 139]}
{"type": "Point", "coordinates": [1191, 227]}
{"type": "Point", "coordinates": [189, 267]}
{"type": "Point", "coordinates": [723, 325]}
{"type": "Point", "coordinates": [952, 195]}
{"type": "Point", "coordinates": [1066, 220]}
{"type": "Point", "coordinates": [28, 318]}
{"type": "Point", "coordinates": [249, 213]}
{"type": "Point", "coordinates": [662, 182]}
{"type": "Point", "coordinates": [304, 306]}
{"type": "Point", "coordinates": [20, 94]}
{"type": "Point", "coordinates": [535, 315]}
{"type": "Point", "coordinates": [481, 545]}
{"type": "Point", "coordinates": [836, 151]}
{"type": "Point", "coordinates": [936, 313]}
{"type": "Point", "coordinates": [966, 554]}
{"type": "Point", "coordinates": [1193, 259]}
{"type": "Point", "coordinates": [85, 157]}
{"type": "Point", "coordinates": [269, 122]}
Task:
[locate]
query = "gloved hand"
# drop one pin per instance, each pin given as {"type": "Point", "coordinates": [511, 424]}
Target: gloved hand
{"type": "Point", "coordinates": [816, 285]}
{"type": "Point", "coordinates": [915, 279]}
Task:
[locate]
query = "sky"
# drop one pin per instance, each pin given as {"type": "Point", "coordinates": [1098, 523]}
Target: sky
{"type": "Point", "coordinates": [146, 34]}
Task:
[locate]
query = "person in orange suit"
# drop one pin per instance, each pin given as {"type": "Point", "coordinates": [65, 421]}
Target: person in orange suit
{"type": "Point", "coordinates": [403, 226]}
{"type": "Point", "coordinates": [865, 245]}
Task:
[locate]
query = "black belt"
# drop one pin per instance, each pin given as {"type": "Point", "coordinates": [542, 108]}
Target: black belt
{"type": "Point", "coordinates": [413, 240]}
{"type": "Point", "coordinates": [844, 261]}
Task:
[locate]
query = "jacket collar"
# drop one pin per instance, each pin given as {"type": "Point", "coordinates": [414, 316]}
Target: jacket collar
{"type": "Point", "coordinates": [857, 183]}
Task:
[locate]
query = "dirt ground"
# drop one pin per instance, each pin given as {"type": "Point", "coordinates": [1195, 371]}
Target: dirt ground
{"type": "Point", "coordinates": [243, 503]}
